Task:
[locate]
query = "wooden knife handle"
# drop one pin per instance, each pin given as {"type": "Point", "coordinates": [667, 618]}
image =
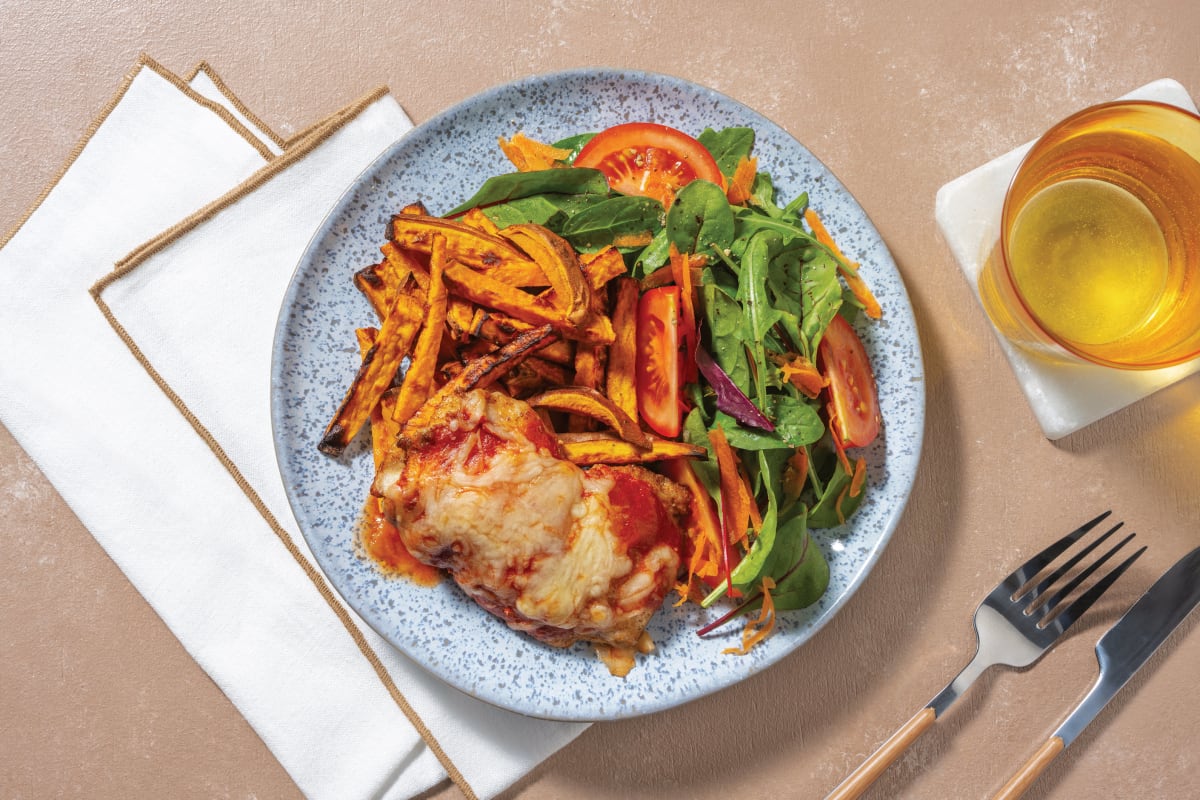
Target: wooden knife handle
{"type": "Point", "coordinates": [870, 770]}
{"type": "Point", "coordinates": [1026, 775]}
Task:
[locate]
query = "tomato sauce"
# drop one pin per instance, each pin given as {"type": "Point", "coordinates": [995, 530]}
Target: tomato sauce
{"type": "Point", "coordinates": [381, 541]}
{"type": "Point", "coordinates": [640, 520]}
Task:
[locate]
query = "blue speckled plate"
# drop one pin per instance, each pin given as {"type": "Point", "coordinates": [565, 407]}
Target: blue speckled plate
{"type": "Point", "coordinates": [441, 163]}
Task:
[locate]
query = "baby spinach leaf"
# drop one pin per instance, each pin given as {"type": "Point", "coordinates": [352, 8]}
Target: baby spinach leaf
{"type": "Point", "coordinates": [824, 513]}
{"type": "Point", "coordinates": [700, 218]}
{"type": "Point", "coordinates": [797, 422]}
{"type": "Point", "coordinates": [599, 224]}
{"type": "Point", "coordinates": [805, 581]}
{"type": "Point", "coordinates": [574, 144]}
{"type": "Point", "coordinates": [753, 564]}
{"type": "Point", "coordinates": [653, 255]}
{"type": "Point", "coordinates": [743, 438]}
{"type": "Point", "coordinates": [514, 185]}
{"type": "Point", "coordinates": [536, 209]}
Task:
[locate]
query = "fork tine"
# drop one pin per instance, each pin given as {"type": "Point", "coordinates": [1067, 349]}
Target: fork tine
{"type": "Point", "coordinates": [1037, 600]}
{"type": "Point", "coordinates": [1024, 573]}
{"type": "Point", "coordinates": [1076, 609]}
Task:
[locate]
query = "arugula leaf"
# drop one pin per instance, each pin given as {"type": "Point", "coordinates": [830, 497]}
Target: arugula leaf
{"type": "Point", "coordinates": [762, 195]}
{"type": "Point", "coordinates": [821, 295]}
{"type": "Point", "coordinates": [700, 218]}
{"type": "Point", "coordinates": [728, 146]}
{"type": "Point", "coordinates": [515, 185]}
{"type": "Point", "coordinates": [707, 470]}
{"type": "Point", "coordinates": [724, 321]}
{"type": "Point", "coordinates": [760, 315]}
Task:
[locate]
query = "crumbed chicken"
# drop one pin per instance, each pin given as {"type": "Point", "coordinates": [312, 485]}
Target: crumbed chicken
{"type": "Point", "coordinates": [480, 489]}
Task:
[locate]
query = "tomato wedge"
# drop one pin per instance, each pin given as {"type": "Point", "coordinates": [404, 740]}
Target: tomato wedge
{"type": "Point", "coordinates": [658, 361]}
{"type": "Point", "coordinates": [853, 401]}
{"type": "Point", "coordinates": [649, 160]}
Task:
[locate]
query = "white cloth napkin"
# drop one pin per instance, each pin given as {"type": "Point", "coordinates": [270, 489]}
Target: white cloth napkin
{"type": "Point", "coordinates": [157, 432]}
{"type": "Point", "coordinates": [1064, 396]}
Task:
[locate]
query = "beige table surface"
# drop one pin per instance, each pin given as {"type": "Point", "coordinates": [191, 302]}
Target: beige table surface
{"type": "Point", "coordinates": [97, 698]}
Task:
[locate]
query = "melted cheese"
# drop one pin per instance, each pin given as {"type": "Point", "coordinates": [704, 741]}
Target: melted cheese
{"type": "Point", "coordinates": [525, 526]}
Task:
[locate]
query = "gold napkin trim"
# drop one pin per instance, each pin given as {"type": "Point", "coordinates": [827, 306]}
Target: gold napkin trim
{"type": "Point", "coordinates": [144, 62]}
{"type": "Point", "coordinates": [235, 101]}
{"type": "Point", "coordinates": [298, 146]}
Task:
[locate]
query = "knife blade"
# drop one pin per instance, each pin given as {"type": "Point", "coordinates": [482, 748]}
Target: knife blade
{"type": "Point", "coordinates": [1135, 637]}
{"type": "Point", "coordinates": [1121, 652]}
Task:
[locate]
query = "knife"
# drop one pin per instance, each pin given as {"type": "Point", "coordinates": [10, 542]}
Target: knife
{"type": "Point", "coordinates": [1121, 653]}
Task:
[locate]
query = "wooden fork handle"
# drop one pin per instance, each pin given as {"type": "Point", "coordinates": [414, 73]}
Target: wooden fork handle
{"type": "Point", "coordinates": [1026, 775]}
{"type": "Point", "coordinates": [870, 770]}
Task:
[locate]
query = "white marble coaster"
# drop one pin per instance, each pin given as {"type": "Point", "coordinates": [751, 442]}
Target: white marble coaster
{"type": "Point", "coordinates": [1064, 397]}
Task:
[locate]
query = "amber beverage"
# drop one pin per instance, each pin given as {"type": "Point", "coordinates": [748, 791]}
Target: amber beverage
{"type": "Point", "coordinates": [1099, 253]}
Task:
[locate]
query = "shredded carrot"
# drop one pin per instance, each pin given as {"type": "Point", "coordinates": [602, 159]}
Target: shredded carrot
{"type": "Point", "coordinates": [837, 505]}
{"type": "Point", "coordinates": [837, 442]}
{"type": "Point", "coordinates": [761, 626]}
{"type": "Point", "coordinates": [755, 514]}
{"type": "Point", "coordinates": [802, 373]}
{"type": "Point", "coordinates": [796, 474]}
{"type": "Point", "coordinates": [682, 272]}
{"type": "Point", "coordinates": [735, 497]}
{"type": "Point", "coordinates": [528, 155]}
{"type": "Point", "coordinates": [660, 277]}
{"type": "Point", "coordinates": [848, 268]}
{"type": "Point", "coordinates": [703, 531]}
{"type": "Point", "coordinates": [860, 476]}
{"type": "Point", "coordinates": [741, 185]}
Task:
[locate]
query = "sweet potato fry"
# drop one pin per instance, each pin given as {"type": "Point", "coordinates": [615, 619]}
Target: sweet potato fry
{"type": "Point", "coordinates": [591, 362]}
{"type": "Point", "coordinates": [526, 275]}
{"type": "Point", "coordinates": [602, 266]}
{"type": "Point", "coordinates": [400, 263]}
{"type": "Point", "coordinates": [501, 328]}
{"type": "Point", "coordinates": [483, 372]}
{"type": "Point", "coordinates": [418, 380]}
{"type": "Point", "coordinates": [475, 218]}
{"type": "Point", "coordinates": [374, 286]}
{"type": "Point", "coordinates": [460, 317]}
{"type": "Point", "coordinates": [375, 375]}
{"type": "Point", "coordinates": [622, 354]}
{"type": "Point", "coordinates": [601, 447]}
{"type": "Point", "coordinates": [479, 288]}
{"type": "Point", "coordinates": [464, 244]}
{"type": "Point", "coordinates": [560, 264]}
{"type": "Point", "coordinates": [590, 403]}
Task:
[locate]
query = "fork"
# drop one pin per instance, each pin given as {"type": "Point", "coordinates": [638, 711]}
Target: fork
{"type": "Point", "coordinates": [1014, 625]}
